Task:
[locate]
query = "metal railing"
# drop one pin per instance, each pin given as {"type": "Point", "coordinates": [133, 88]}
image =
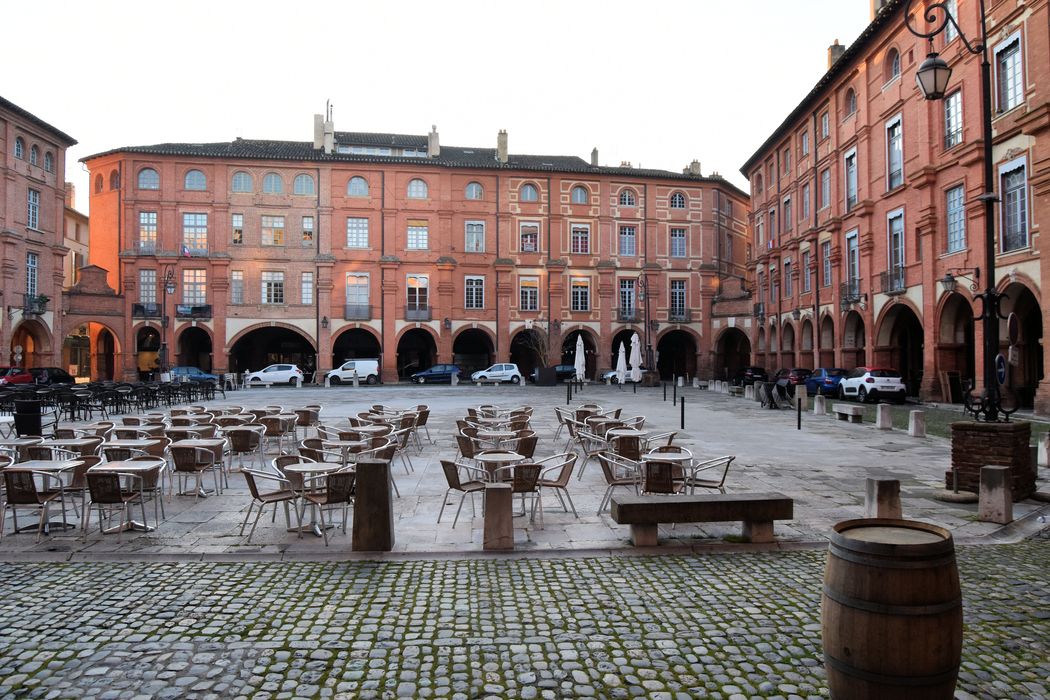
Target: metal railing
{"type": "Point", "coordinates": [145, 310]}
{"type": "Point", "coordinates": [627, 315]}
{"type": "Point", "coordinates": [34, 304]}
{"type": "Point", "coordinates": [357, 312]}
{"type": "Point", "coordinates": [759, 310]}
{"type": "Point", "coordinates": [849, 292]}
{"type": "Point", "coordinates": [147, 247]}
{"type": "Point", "coordinates": [193, 311]}
{"type": "Point", "coordinates": [892, 282]}
{"type": "Point", "coordinates": [679, 315]}
{"type": "Point", "coordinates": [415, 313]}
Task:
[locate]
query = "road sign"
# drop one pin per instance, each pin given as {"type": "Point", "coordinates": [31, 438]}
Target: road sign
{"type": "Point", "coordinates": [1000, 368]}
{"type": "Point", "coordinates": [1013, 328]}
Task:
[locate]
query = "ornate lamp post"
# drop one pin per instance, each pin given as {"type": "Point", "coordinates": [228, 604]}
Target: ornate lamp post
{"type": "Point", "coordinates": [932, 78]}
{"type": "Point", "coordinates": [643, 295]}
{"type": "Point", "coordinates": [169, 288]}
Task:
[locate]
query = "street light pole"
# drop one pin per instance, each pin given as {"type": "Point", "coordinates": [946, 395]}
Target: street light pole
{"type": "Point", "coordinates": [643, 294]}
{"type": "Point", "coordinates": [932, 79]}
{"type": "Point", "coordinates": [168, 288]}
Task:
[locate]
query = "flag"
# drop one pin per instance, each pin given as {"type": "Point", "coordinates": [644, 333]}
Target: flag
{"type": "Point", "coordinates": [185, 251]}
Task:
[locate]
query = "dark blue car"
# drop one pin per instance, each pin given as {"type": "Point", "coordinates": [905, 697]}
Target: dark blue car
{"type": "Point", "coordinates": [825, 381]}
{"type": "Point", "coordinates": [193, 374]}
{"type": "Point", "coordinates": [436, 374]}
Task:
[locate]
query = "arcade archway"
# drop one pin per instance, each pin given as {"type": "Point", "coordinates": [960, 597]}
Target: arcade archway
{"type": "Point", "coordinates": [416, 351]}
{"type": "Point", "coordinates": [956, 356]}
{"type": "Point", "coordinates": [827, 343]}
{"type": "Point", "coordinates": [624, 336]}
{"type": "Point", "coordinates": [30, 344]}
{"type": "Point", "coordinates": [147, 352]}
{"type": "Point", "coordinates": [472, 350]}
{"type": "Point", "coordinates": [194, 349]}
{"type": "Point", "coordinates": [676, 354]}
{"type": "Point", "coordinates": [853, 341]}
{"type": "Point", "coordinates": [528, 350]}
{"type": "Point", "coordinates": [355, 344]}
{"type": "Point", "coordinates": [1025, 376]}
{"type": "Point", "coordinates": [732, 353]}
{"type": "Point", "coordinates": [899, 345]}
{"type": "Point", "coordinates": [105, 352]}
{"type": "Point", "coordinates": [270, 345]}
{"type": "Point", "coordinates": [590, 351]}
{"type": "Point", "coordinates": [787, 346]}
{"type": "Point", "coordinates": [805, 355]}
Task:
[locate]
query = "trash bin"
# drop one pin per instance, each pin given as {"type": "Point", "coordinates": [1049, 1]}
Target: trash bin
{"type": "Point", "coordinates": [28, 420]}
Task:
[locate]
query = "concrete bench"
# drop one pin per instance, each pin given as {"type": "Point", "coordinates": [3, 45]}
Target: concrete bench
{"type": "Point", "coordinates": [844, 411]}
{"type": "Point", "coordinates": [757, 511]}
{"type": "Point", "coordinates": [736, 390]}
{"type": "Point", "coordinates": [257, 384]}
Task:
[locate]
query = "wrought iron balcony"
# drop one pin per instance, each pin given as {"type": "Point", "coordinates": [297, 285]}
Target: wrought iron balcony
{"type": "Point", "coordinates": [760, 310]}
{"type": "Point", "coordinates": [147, 248]}
{"type": "Point", "coordinates": [679, 315]}
{"type": "Point", "coordinates": [627, 315]}
{"type": "Point", "coordinates": [34, 304]}
{"type": "Point", "coordinates": [145, 310]}
{"type": "Point", "coordinates": [892, 282]}
{"type": "Point", "coordinates": [415, 313]}
{"type": "Point", "coordinates": [193, 311]}
{"type": "Point", "coordinates": [357, 312]}
{"type": "Point", "coordinates": [849, 292]}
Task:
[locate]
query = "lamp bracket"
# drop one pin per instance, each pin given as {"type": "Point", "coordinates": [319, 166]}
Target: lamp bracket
{"type": "Point", "coordinates": [939, 24]}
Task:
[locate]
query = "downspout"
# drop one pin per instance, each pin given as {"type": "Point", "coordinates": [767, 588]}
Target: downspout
{"type": "Point", "coordinates": [815, 255]}
{"type": "Point", "coordinates": [496, 290]}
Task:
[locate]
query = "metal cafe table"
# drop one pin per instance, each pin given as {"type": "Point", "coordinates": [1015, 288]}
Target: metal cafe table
{"type": "Point", "coordinates": [54, 468]}
{"type": "Point", "coordinates": [140, 468]}
{"type": "Point", "coordinates": [308, 469]}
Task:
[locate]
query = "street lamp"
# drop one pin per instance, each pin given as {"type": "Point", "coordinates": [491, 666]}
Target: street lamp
{"type": "Point", "coordinates": [169, 288]}
{"type": "Point", "coordinates": [932, 79]}
{"type": "Point", "coordinates": [643, 295]}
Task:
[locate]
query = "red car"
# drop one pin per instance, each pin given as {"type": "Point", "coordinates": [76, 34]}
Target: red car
{"type": "Point", "coordinates": [16, 375]}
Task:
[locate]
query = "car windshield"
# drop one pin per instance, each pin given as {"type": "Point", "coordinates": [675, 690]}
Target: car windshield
{"type": "Point", "coordinates": [836, 372]}
{"type": "Point", "coordinates": [889, 373]}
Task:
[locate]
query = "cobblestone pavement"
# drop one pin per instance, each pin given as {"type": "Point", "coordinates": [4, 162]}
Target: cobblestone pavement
{"type": "Point", "coordinates": [722, 626]}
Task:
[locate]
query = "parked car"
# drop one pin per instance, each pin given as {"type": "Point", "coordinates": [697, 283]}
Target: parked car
{"type": "Point", "coordinates": [276, 374]}
{"type": "Point", "coordinates": [825, 381]}
{"type": "Point", "coordinates": [437, 374]}
{"type": "Point", "coordinates": [749, 375]}
{"type": "Point", "coordinates": [561, 372]}
{"type": "Point", "coordinates": [787, 379]}
{"type": "Point", "coordinates": [873, 383]}
{"type": "Point", "coordinates": [16, 375]}
{"type": "Point", "coordinates": [611, 375]}
{"type": "Point", "coordinates": [503, 372]}
{"type": "Point", "coordinates": [46, 376]}
{"type": "Point", "coordinates": [191, 374]}
{"type": "Point", "coordinates": [367, 371]}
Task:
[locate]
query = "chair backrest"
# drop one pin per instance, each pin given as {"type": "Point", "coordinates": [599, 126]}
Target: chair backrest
{"type": "Point", "coordinates": [567, 462]}
{"type": "Point", "coordinates": [466, 446]}
{"type": "Point", "coordinates": [658, 477]}
{"type": "Point", "coordinates": [64, 434]}
{"type": "Point", "coordinates": [104, 487]}
{"type": "Point", "coordinates": [525, 477]}
{"type": "Point", "coordinates": [306, 416]}
{"type": "Point", "coordinates": [243, 440]}
{"type": "Point", "coordinates": [39, 452]}
{"type": "Point", "coordinates": [315, 443]}
{"type": "Point", "coordinates": [191, 459]}
{"type": "Point", "coordinates": [471, 432]}
{"type": "Point", "coordinates": [629, 446]}
{"type": "Point", "coordinates": [526, 446]}
{"type": "Point", "coordinates": [119, 454]}
{"type": "Point", "coordinates": [181, 420]}
{"type": "Point", "coordinates": [451, 470]}
{"type": "Point", "coordinates": [21, 487]}
{"type": "Point", "coordinates": [79, 478]}
{"type": "Point", "coordinates": [340, 486]}
{"type": "Point", "coordinates": [279, 463]}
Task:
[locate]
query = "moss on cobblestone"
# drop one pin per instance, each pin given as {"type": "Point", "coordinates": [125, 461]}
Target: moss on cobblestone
{"type": "Point", "coordinates": [699, 626]}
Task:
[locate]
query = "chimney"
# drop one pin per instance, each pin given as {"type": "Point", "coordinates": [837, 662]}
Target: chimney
{"type": "Point", "coordinates": [433, 143]}
{"type": "Point", "coordinates": [594, 156]}
{"type": "Point", "coordinates": [835, 52]}
{"type": "Point", "coordinates": [694, 168]}
{"type": "Point", "coordinates": [625, 163]}
{"type": "Point", "coordinates": [877, 7]}
{"type": "Point", "coordinates": [501, 146]}
{"type": "Point", "coordinates": [329, 136]}
{"type": "Point", "coordinates": [71, 195]}
{"type": "Point", "coordinates": [318, 131]}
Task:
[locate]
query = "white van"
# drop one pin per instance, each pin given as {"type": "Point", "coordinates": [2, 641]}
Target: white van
{"type": "Point", "coordinates": [367, 371]}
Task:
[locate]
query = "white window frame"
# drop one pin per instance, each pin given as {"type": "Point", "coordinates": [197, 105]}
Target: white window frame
{"type": "Point", "coordinates": [585, 199]}
{"type": "Point", "coordinates": [787, 219]}
{"type": "Point", "coordinates": [825, 189]}
{"type": "Point", "coordinates": [582, 283]}
{"type": "Point", "coordinates": [804, 143]}
{"type": "Point", "coordinates": [528, 192]}
{"type": "Point", "coordinates": [417, 235]}
{"type": "Point", "coordinates": [953, 119]}
{"type": "Point", "coordinates": [852, 244]}
{"type": "Point", "coordinates": [237, 182]}
{"type": "Point", "coordinates": [356, 226]}
{"type": "Point", "coordinates": [308, 229]}
{"type": "Point", "coordinates": [788, 286]}
{"type": "Point", "coordinates": [996, 86]}
{"type": "Point", "coordinates": [474, 230]}
{"type": "Point", "coordinates": [33, 208]}
{"type": "Point", "coordinates": [148, 231]}
{"type": "Point", "coordinates": [147, 286]}
{"type": "Point", "coordinates": [806, 194]}
{"type": "Point", "coordinates": [956, 239]}
{"type": "Point", "coordinates": [306, 288]}
{"type": "Point", "coordinates": [1009, 166]}
{"type": "Point", "coordinates": [677, 298]}
{"type": "Point", "coordinates": [825, 264]}
{"type": "Point", "coordinates": [350, 187]}
{"type": "Point", "coordinates": [851, 153]}
{"type": "Point", "coordinates": [805, 271]}
{"type": "Point", "coordinates": [358, 288]}
{"type": "Point", "coordinates": [683, 239]}
{"type": "Point", "coordinates": [530, 301]}
{"type": "Point", "coordinates": [193, 230]}
{"type": "Point", "coordinates": [895, 121]}
{"type": "Point", "coordinates": [572, 238]}
{"type": "Point", "coordinates": [194, 286]}
{"type": "Point", "coordinates": [678, 201]}
{"type": "Point", "coordinates": [627, 198]}
{"type": "Point", "coordinates": [528, 224]}
{"type": "Point", "coordinates": [269, 179]}
{"type": "Point", "coordinates": [627, 296]}
{"type": "Point", "coordinates": [271, 230]}
{"type": "Point", "coordinates": [892, 264]}
{"type": "Point", "coordinates": [424, 285]}
{"type": "Point", "coordinates": [304, 190]}
{"type": "Point", "coordinates": [417, 188]}
{"type": "Point", "coordinates": [474, 292]}
{"type": "Point", "coordinates": [622, 237]}
{"type": "Point", "coordinates": [272, 291]}
{"type": "Point", "coordinates": [237, 286]}
{"type": "Point", "coordinates": [152, 183]}
{"type": "Point", "coordinates": [474, 191]}
{"type": "Point", "coordinates": [825, 126]}
{"type": "Point", "coordinates": [32, 273]}
{"type": "Point", "coordinates": [200, 180]}
{"type": "Point", "coordinates": [950, 33]}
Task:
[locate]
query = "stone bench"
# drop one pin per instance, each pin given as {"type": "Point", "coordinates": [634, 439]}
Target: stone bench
{"type": "Point", "coordinates": [756, 511]}
{"type": "Point", "coordinates": [844, 411]}
{"type": "Point", "coordinates": [257, 384]}
{"type": "Point", "coordinates": [736, 390]}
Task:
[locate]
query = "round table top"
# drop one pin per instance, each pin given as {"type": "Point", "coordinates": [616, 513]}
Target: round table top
{"type": "Point", "coordinates": [667, 457]}
{"type": "Point", "coordinates": [199, 442]}
{"type": "Point", "coordinates": [70, 442]}
{"type": "Point", "coordinates": [490, 421]}
{"type": "Point", "coordinates": [367, 429]}
{"type": "Point", "coordinates": [344, 443]}
{"type": "Point", "coordinates": [140, 442]}
{"type": "Point", "coordinates": [626, 432]}
{"type": "Point", "coordinates": [46, 465]}
{"type": "Point", "coordinates": [312, 467]}
{"type": "Point", "coordinates": [496, 433]}
{"type": "Point", "coordinates": [128, 466]}
{"type": "Point", "coordinates": [498, 457]}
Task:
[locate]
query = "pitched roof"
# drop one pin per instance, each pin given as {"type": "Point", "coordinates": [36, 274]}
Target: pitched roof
{"type": "Point", "coordinates": [886, 15]}
{"type": "Point", "coordinates": [28, 116]}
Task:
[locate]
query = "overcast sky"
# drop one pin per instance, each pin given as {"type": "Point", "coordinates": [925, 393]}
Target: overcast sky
{"type": "Point", "coordinates": [656, 83]}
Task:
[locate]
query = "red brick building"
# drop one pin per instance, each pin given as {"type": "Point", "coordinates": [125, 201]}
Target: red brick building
{"type": "Point", "coordinates": [866, 197]}
{"type": "Point", "coordinates": [398, 247]}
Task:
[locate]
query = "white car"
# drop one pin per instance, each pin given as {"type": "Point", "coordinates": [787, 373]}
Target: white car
{"type": "Point", "coordinates": [872, 384]}
{"type": "Point", "coordinates": [276, 374]}
{"type": "Point", "coordinates": [503, 372]}
{"type": "Point", "coordinates": [611, 375]}
{"type": "Point", "coordinates": [366, 370]}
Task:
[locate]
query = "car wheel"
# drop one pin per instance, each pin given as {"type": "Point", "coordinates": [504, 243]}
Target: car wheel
{"type": "Point", "coordinates": [862, 395]}
{"type": "Point", "coordinates": [421, 380]}
{"type": "Point", "coordinates": [336, 381]}
{"type": "Point", "coordinates": [371, 379]}
{"type": "Point", "coordinates": [842, 394]}
{"type": "Point", "coordinates": [291, 382]}
{"type": "Point", "coordinates": [515, 380]}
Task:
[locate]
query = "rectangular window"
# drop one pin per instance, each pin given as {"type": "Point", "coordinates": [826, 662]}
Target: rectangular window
{"type": "Point", "coordinates": [306, 289]}
{"type": "Point", "coordinates": [1008, 86]}
{"type": "Point", "coordinates": [581, 294]}
{"type": "Point", "coordinates": [772, 226]}
{"type": "Point", "coordinates": [529, 237]}
{"type": "Point", "coordinates": [806, 272]}
{"type": "Point", "coordinates": [273, 287]}
{"type": "Point", "coordinates": [1013, 184]}
{"type": "Point", "coordinates": [273, 230]}
{"type": "Point", "coordinates": [147, 286]}
{"type": "Point", "coordinates": [787, 280]}
{"type": "Point", "coordinates": [772, 284]}
{"type": "Point", "coordinates": [787, 218]}
{"type": "Point", "coordinates": [627, 298]}
{"type": "Point", "coordinates": [474, 237]}
{"type": "Point", "coordinates": [825, 261]}
{"type": "Point", "coordinates": [581, 238]}
{"type": "Point", "coordinates": [195, 234]}
{"type": "Point", "coordinates": [805, 201]}
{"type": "Point", "coordinates": [308, 229]}
{"type": "Point", "coordinates": [418, 235]}
{"type": "Point", "coordinates": [678, 299]}
{"type": "Point", "coordinates": [850, 162]}
{"type": "Point", "coordinates": [952, 6]}
{"type": "Point", "coordinates": [953, 119]}
{"type": "Point", "coordinates": [236, 286]}
{"type": "Point", "coordinates": [32, 274]}
{"type": "Point", "coordinates": [474, 293]}
{"type": "Point", "coordinates": [237, 229]}
{"type": "Point", "coordinates": [529, 293]}
{"type": "Point", "coordinates": [356, 232]}
{"type": "Point", "coordinates": [895, 234]}
{"type": "Point", "coordinates": [417, 293]}
{"type": "Point", "coordinates": [33, 208]}
{"type": "Point", "coordinates": [147, 232]}
{"type": "Point", "coordinates": [825, 188]}
{"type": "Point", "coordinates": [956, 219]}
{"type": "Point", "coordinates": [678, 243]}
{"type": "Point", "coordinates": [787, 160]}
{"type": "Point", "coordinates": [824, 129]}
{"type": "Point", "coordinates": [628, 240]}
{"type": "Point", "coordinates": [852, 257]}
{"type": "Point", "coordinates": [194, 287]}
{"type": "Point", "coordinates": [805, 143]}
{"type": "Point", "coordinates": [894, 154]}
{"type": "Point", "coordinates": [760, 229]}
{"type": "Point", "coordinates": [357, 289]}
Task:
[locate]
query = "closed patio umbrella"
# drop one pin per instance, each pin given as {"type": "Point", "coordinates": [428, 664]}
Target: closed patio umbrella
{"type": "Point", "coordinates": [621, 364]}
{"type": "Point", "coordinates": [581, 361]}
{"type": "Point", "coordinates": [636, 359]}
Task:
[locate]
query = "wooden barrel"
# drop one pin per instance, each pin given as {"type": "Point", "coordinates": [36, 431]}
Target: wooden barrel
{"type": "Point", "coordinates": [892, 611]}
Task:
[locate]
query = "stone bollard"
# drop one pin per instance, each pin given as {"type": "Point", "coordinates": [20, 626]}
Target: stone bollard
{"type": "Point", "coordinates": [298, 382]}
{"type": "Point", "coordinates": [696, 382]}
{"type": "Point", "coordinates": [749, 392]}
{"type": "Point", "coordinates": [819, 405]}
{"type": "Point", "coordinates": [917, 423]}
{"type": "Point", "coordinates": [681, 382]}
{"type": "Point", "coordinates": [357, 382]}
{"type": "Point", "coordinates": [884, 416]}
{"type": "Point", "coordinates": [801, 395]}
{"type": "Point", "coordinates": [725, 387]}
{"type": "Point", "coordinates": [499, 517]}
{"type": "Point", "coordinates": [455, 379]}
{"type": "Point", "coordinates": [995, 501]}
{"type": "Point", "coordinates": [882, 498]}
{"type": "Point", "coordinates": [373, 507]}
{"type": "Point", "coordinates": [608, 381]}
{"type": "Point", "coordinates": [327, 382]}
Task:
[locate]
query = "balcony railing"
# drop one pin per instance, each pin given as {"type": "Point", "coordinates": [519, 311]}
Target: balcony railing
{"type": "Point", "coordinates": [193, 311]}
{"type": "Point", "coordinates": [679, 315]}
{"type": "Point", "coordinates": [357, 312]}
{"type": "Point", "coordinates": [145, 310]}
{"type": "Point", "coordinates": [627, 315]}
{"type": "Point", "coordinates": [415, 313]}
{"type": "Point", "coordinates": [194, 252]}
{"type": "Point", "coordinates": [147, 247]}
{"type": "Point", "coordinates": [34, 304]}
{"type": "Point", "coordinates": [892, 281]}
{"type": "Point", "coordinates": [760, 310]}
{"type": "Point", "coordinates": [849, 292]}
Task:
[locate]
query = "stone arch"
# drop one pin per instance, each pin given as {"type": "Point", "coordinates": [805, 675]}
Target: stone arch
{"type": "Point", "coordinates": [954, 346]}
{"type": "Point", "coordinates": [1022, 299]}
{"type": "Point", "coordinates": [590, 348]}
{"type": "Point", "coordinates": [623, 335]}
{"type": "Point", "coordinates": [854, 343]}
{"type": "Point", "coordinates": [806, 338]}
{"type": "Point", "coordinates": [899, 344]}
{"type": "Point", "coordinates": [416, 350]}
{"type": "Point", "coordinates": [356, 343]}
{"type": "Point", "coordinates": [147, 350]}
{"type": "Point", "coordinates": [787, 344]}
{"type": "Point", "coordinates": [473, 349]}
{"type": "Point", "coordinates": [274, 342]}
{"type": "Point", "coordinates": [826, 341]}
{"type": "Point", "coordinates": [676, 353]}
{"type": "Point", "coordinates": [732, 353]}
{"type": "Point", "coordinates": [193, 348]}
{"type": "Point", "coordinates": [529, 350]}
{"type": "Point", "coordinates": [35, 340]}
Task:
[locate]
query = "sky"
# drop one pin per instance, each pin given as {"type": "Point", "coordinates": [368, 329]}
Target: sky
{"type": "Point", "coordinates": [657, 83]}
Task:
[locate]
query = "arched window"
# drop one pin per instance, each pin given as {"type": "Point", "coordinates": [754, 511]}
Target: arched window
{"type": "Point", "coordinates": [627, 199]}
{"type": "Point", "coordinates": [417, 189]}
{"type": "Point", "coordinates": [34, 155]}
{"type": "Point", "coordinates": [678, 200]}
{"type": "Point", "coordinates": [242, 182]}
{"type": "Point", "coordinates": [20, 148]}
{"type": "Point", "coordinates": [357, 187]}
{"type": "Point", "coordinates": [98, 183]}
{"type": "Point", "coordinates": [303, 184]}
{"type": "Point", "coordinates": [149, 179]}
{"type": "Point", "coordinates": [195, 180]}
{"type": "Point", "coordinates": [273, 184]}
{"type": "Point", "coordinates": [893, 64]}
{"type": "Point", "coordinates": [49, 162]}
{"type": "Point", "coordinates": [474, 190]}
{"type": "Point", "coordinates": [528, 193]}
{"type": "Point", "coordinates": [580, 195]}
{"type": "Point", "coordinates": [114, 180]}
{"type": "Point", "coordinates": [851, 102]}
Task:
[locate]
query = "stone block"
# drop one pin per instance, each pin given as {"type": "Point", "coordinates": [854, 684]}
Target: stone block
{"type": "Point", "coordinates": [357, 382]}
{"type": "Point", "coordinates": [757, 531]}
{"type": "Point", "coordinates": [499, 517]}
{"type": "Point", "coordinates": [995, 503]}
{"type": "Point", "coordinates": [455, 379]}
{"type": "Point", "coordinates": [801, 396]}
{"type": "Point", "coordinates": [298, 382]}
{"type": "Point", "coordinates": [373, 508]}
{"type": "Point", "coordinates": [917, 423]}
{"type": "Point", "coordinates": [882, 498]}
{"type": "Point", "coordinates": [819, 406]}
{"type": "Point", "coordinates": [884, 416]}
{"type": "Point", "coordinates": [681, 381]}
{"type": "Point", "coordinates": [327, 382]}
{"type": "Point", "coordinates": [696, 383]}
{"type": "Point", "coordinates": [749, 392]}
